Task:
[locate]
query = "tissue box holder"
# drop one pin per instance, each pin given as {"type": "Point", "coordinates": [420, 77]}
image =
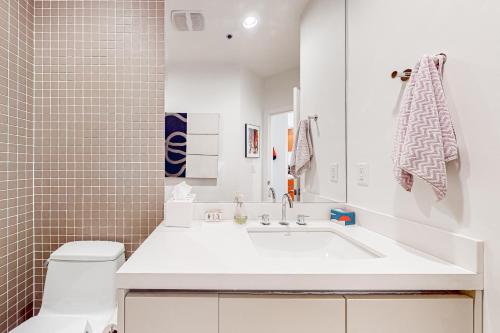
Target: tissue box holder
{"type": "Point", "coordinates": [179, 213]}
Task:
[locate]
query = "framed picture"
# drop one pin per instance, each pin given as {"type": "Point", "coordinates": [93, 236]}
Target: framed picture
{"type": "Point", "coordinates": [192, 145]}
{"type": "Point", "coordinates": [252, 141]}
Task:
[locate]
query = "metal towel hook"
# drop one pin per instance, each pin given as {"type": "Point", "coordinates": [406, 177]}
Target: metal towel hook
{"type": "Point", "coordinates": [406, 74]}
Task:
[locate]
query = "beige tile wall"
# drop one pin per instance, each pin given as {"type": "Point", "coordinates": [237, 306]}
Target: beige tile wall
{"type": "Point", "coordinates": [99, 87]}
{"type": "Point", "coordinates": [16, 162]}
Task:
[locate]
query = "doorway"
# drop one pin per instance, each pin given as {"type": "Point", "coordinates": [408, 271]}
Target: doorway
{"type": "Point", "coordinates": [281, 140]}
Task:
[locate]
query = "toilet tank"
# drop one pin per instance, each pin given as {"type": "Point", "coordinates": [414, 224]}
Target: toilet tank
{"type": "Point", "coordinates": [81, 278]}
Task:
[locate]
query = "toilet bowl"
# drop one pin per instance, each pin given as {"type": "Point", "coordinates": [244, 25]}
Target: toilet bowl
{"type": "Point", "coordinates": [80, 293]}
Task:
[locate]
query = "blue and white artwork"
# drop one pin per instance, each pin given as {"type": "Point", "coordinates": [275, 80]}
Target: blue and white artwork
{"type": "Point", "coordinates": [175, 144]}
{"type": "Point", "coordinates": [191, 145]}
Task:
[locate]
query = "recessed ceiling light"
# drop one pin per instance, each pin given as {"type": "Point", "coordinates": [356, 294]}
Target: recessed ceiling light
{"type": "Point", "coordinates": [250, 22]}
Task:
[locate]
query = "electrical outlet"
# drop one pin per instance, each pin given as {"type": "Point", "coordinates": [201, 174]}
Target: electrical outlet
{"type": "Point", "coordinates": [363, 176]}
{"type": "Point", "coordinates": [334, 173]}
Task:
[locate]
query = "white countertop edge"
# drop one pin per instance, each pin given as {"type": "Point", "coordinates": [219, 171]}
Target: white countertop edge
{"type": "Point", "coordinates": [290, 282]}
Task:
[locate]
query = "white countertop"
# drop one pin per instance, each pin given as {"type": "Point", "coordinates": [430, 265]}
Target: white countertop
{"type": "Point", "coordinates": [221, 256]}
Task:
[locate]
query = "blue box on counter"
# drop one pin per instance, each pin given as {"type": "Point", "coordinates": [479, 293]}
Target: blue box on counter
{"type": "Point", "coordinates": [343, 216]}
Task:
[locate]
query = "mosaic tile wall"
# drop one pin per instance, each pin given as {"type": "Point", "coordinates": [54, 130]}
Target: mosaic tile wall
{"type": "Point", "coordinates": [98, 115]}
{"type": "Point", "coordinates": [16, 162]}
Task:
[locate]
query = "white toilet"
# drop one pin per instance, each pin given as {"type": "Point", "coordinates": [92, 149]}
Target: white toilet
{"type": "Point", "coordinates": [80, 292]}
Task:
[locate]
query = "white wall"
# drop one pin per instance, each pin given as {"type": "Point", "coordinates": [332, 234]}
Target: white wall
{"type": "Point", "coordinates": [379, 42]}
{"type": "Point", "coordinates": [322, 83]}
{"type": "Point", "coordinates": [236, 94]}
{"type": "Point", "coordinates": [250, 173]}
{"type": "Point", "coordinates": [278, 91]}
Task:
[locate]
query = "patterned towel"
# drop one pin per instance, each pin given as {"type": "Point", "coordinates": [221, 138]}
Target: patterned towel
{"type": "Point", "coordinates": [425, 140]}
{"type": "Point", "coordinates": [303, 150]}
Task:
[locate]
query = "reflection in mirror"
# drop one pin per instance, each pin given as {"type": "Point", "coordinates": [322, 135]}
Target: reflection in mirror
{"type": "Point", "coordinates": [255, 99]}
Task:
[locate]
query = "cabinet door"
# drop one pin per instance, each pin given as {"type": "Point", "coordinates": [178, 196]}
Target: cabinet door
{"type": "Point", "coordinates": [167, 312]}
{"type": "Point", "coordinates": [281, 314]}
{"type": "Point", "coordinates": [410, 314]}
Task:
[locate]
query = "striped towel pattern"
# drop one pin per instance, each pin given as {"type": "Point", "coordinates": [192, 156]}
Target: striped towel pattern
{"type": "Point", "coordinates": [303, 150]}
{"type": "Point", "coordinates": [425, 139]}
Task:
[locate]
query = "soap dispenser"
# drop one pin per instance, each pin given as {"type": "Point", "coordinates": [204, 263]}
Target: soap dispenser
{"type": "Point", "coordinates": [240, 215]}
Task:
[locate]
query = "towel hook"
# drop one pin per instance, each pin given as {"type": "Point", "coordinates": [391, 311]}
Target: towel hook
{"type": "Point", "coordinates": [444, 56]}
{"type": "Point", "coordinates": [314, 117]}
{"type": "Point", "coordinates": [406, 74]}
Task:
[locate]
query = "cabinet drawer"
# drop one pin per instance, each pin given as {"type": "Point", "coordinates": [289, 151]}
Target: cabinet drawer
{"type": "Point", "coordinates": [169, 312]}
{"type": "Point", "coordinates": [281, 314]}
{"type": "Point", "coordinates": [410, 314]}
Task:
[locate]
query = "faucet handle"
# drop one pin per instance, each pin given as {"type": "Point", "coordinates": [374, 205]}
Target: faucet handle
{"type": "Point", "coordinates": [301, 219]}
{"type": "Point", "coordinates": [264, 219]}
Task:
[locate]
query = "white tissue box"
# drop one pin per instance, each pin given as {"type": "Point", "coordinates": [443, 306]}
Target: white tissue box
{"type": "Point", "coordinates": [179, 213]}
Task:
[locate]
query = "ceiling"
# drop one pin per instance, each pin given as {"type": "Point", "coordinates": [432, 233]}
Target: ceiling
{"type": "Point", "coordinates": [270, 48]}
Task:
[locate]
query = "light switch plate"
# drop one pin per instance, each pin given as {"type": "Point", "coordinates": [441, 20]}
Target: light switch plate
{"type": "Point", "coordinates": [363, 174]}
{"type": "Point", "coordinates": [334, 173]}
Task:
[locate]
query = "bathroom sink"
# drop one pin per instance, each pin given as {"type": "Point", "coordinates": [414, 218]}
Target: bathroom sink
{"type": "Point", "coordinates": [315, 244]}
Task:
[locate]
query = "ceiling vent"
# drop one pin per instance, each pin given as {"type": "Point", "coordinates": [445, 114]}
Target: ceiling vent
{"type": "Point", "coordinates": [184, 20]}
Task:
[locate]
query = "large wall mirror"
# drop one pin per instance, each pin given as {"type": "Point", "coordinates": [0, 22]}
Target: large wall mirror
{"type": "Point", "coordinates": [255, 99]}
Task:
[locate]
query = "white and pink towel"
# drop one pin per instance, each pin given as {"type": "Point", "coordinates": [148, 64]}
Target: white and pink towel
{"type": "Point", "coordinates": [425, 140]}
{"type": "Point", "coordinates": [303, 150]}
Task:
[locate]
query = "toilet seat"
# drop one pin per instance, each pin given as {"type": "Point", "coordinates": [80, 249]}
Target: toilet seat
{"type": "Point", "coordinates": [54, 324]}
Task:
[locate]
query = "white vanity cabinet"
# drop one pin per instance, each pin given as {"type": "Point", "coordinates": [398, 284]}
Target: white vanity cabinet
{"type": "Point", "coordinates": [281, 313]}
{"type": "Point", "coordinates": [171, 313]}
{"type": "Point", "coordinates": [410, 314]}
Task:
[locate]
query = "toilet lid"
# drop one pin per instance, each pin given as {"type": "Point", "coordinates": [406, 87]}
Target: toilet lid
{"type": "Point", "coordinates": [54, 324]}
{"type": "Point", "coordinates": [88, 251]}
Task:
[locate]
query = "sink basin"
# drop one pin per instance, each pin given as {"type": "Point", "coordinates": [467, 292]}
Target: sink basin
{"type": "Point", "coordinates": [316, 244]}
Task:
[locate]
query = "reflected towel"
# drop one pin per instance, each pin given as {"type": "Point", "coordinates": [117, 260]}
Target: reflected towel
{"type": "Point", "coordinates": [425, 140]}
{"type": "Point", "coordinates": [303, 150]}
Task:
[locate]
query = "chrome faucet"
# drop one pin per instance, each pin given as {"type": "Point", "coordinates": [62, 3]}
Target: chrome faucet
{"type": "Point", "coordinates": [288, 198]}
{"type": "Point", "coordinates": [272, 192]}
